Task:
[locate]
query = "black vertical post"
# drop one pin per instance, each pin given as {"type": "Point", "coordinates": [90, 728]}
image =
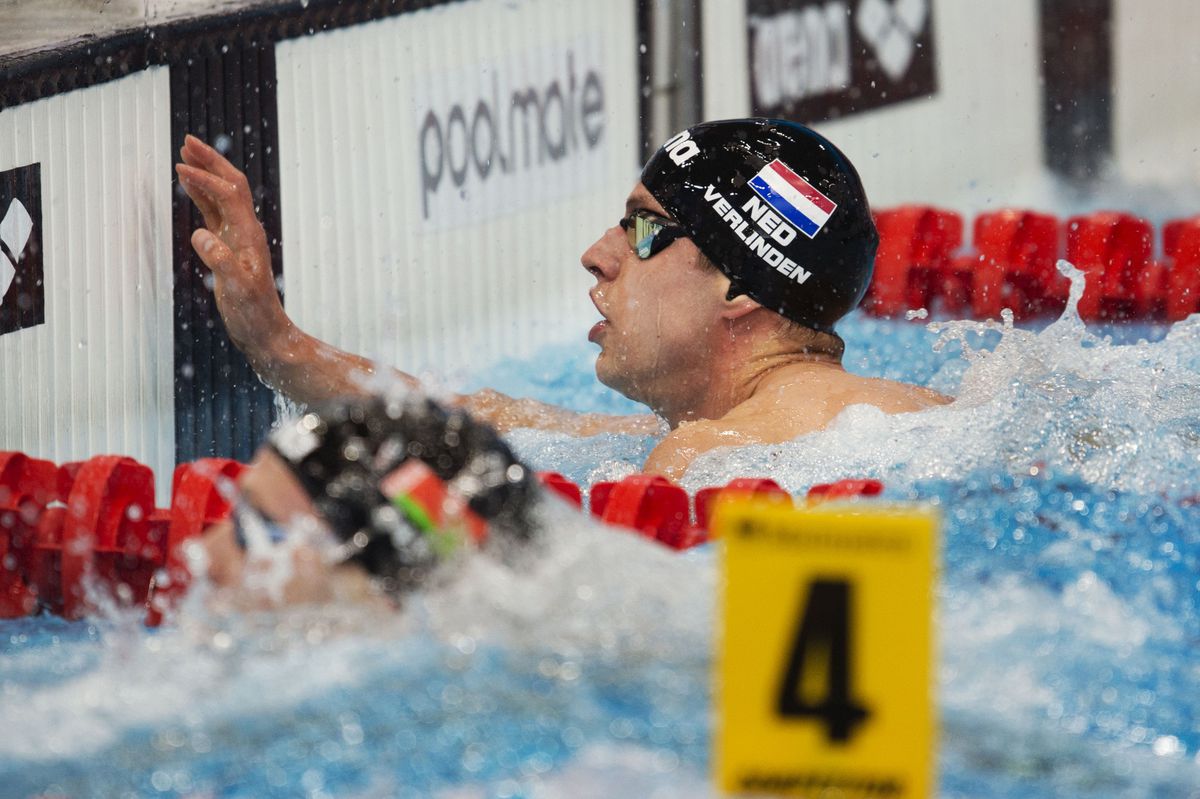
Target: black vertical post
{"type": "Point", "coordinates": [685, 84]}
{"type": "Point", "coordinates": [222, 90]}
{"type": "Point", "coordinates": [645, 79]}
{"type": "Point", "coordinates": [1077, 89]}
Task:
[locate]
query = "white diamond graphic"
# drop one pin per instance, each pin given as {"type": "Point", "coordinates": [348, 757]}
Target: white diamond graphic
{"type": "Point", "coordinates": [892, 29]}
{"type": "Point", "coordinates": [912, 14]}
{"type": "Point", "coordinates": [16, 228]}
{"type": "Point", "coordinates": [874, 18]}
{"type": "Point", "coordinates": [895, 53]}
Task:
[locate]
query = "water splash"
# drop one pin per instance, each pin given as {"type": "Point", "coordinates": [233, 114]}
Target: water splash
{"type": "Point", "coordinates": [1069, 616]}
{"type": "Point", "coordinates": [1122, 416]}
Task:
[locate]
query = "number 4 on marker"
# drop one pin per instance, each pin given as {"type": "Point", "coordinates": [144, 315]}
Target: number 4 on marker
{"type": "Point", "coordinates": [816, 683]}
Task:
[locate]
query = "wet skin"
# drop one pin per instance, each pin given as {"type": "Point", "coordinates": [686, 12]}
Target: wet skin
{"type": "Point", "coordinates": [716, 369]}
{"type": "Point", "coordinates": [270, 489]}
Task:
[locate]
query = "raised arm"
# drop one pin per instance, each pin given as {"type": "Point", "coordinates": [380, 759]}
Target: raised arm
{"type": "Point", "coordinates": [233, 245]}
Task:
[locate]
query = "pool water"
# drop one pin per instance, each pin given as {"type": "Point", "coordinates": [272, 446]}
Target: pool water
{"type": "Point", "coordinates": [1068, 477]}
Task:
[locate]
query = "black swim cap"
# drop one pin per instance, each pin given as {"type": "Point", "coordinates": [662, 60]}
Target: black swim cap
{"type": "Point", "coordinates": [777, 208]}
{"type": "Point", "coordinates": [343, 454]}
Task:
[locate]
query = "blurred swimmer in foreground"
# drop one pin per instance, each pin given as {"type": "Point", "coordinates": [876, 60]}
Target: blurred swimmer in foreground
{"type": "Point", "coordinates": [361, 499]}
{"type": "Point", "coordinates": [742, 245]}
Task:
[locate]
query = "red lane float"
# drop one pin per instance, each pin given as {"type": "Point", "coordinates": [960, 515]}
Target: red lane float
{"type": "Point", "coordinates": [1181, 246]}
{"type": "Point", "coordinates": [27, 487]}
{"type": "Point", "coordinates": [757, 488]}
{"type": "Point", "coordinates": [1114, 251]}
{"type": "Point", "coordinates": [916, 248]}
{"type": "Point", "coordinates": [562, 486]}
{"type": "Point", "coordinates": [1012, 264]}
{"type": "Point", "coordinates": [200, 493]}
{"type": "Point", "coordinates": [107, 534]}
{"type": "Point", "coordinates": [844, 489]}
{"type": "Point", "coordinates": [66, 531]}
{"type": "Point", "coordinates": [650, 504]}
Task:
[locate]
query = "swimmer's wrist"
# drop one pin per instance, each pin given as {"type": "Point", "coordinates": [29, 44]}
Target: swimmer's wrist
{"type": "Point", "coordinates": [276, 347]}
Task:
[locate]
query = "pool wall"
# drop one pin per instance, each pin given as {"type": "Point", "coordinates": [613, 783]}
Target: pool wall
{"type": "Point", "coordinates": [97, 375]}
{"type": "Point", "coordinates": [442, 172]}
{"type": "Point", "coordinates": [429, 172]}
{"type": "Point", "coordinates": [115, 344]}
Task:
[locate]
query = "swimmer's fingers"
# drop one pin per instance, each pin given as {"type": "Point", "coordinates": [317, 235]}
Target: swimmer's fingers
{"type": "Point", "coordinates": [227, 183]}
{"type": "Point", "coordinates": [216, 189]}
{"type": "Point", "coordinates": [198, 154]}
{"type": "Point", "coordinates": [208, 208]}
{"type": "Point", "coordinates": [230, 209]}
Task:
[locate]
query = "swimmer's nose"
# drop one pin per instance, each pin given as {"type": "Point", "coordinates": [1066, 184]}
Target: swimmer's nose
{"type": "Point", "coordinates": [603, 259]}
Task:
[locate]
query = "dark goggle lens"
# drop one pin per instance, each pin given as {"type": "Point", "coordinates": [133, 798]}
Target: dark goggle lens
{"type": "Point", "coordinates": [251, 528]}
{"type": "Point", "coordinates": [647, 235]}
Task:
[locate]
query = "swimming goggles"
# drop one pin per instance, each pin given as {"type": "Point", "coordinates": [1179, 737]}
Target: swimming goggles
{"type": "Point", "coordinates": [259, 535]}
{"type": "Point", "coordinates": [649, 234]}
{"type": "Point", "coordinates": [252, 530]}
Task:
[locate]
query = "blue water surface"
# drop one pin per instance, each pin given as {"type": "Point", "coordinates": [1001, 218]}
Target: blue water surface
{"type": "Point", "coordinates": [1069, 627]}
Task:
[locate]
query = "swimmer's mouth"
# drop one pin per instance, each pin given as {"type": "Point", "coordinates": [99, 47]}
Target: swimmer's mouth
{"type": "Point", "coordinates": [601, 326]}
{"type": "Point", "coordinates": [597, 330]}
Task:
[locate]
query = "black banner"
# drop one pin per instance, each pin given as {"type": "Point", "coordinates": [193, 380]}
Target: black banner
{"type": "Point", "coordinates": [22, 288]}
{"type": "Point", "coordinates": [225, 94]}
{"type": "Point", "coordinates": [812, 60]}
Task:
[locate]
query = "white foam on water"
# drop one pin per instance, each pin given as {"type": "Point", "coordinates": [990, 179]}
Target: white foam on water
{"type": "Point", "coordinates": [589, 594]}
{"type": "Point", "coordinates": [592, 601]}
{"type": "Point", "coordinates": [1125, 417]}
{"type": "Point", "coordinates": [602, 771]}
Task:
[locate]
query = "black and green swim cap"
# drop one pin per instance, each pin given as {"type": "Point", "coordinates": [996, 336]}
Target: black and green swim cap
{"type": "Point", "coordinates": [343, 451]}
{"type": "Point", "coordinates": [779, 210]}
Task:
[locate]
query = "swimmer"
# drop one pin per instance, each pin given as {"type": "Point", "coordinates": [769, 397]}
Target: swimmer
{"type": "Point", "coordinates": [361, 499]}
{"type": "Point", "coordinates": [740, 248]}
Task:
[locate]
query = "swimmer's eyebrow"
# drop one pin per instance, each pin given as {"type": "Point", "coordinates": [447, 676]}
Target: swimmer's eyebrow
{"type": "Point", "coordinates": [633, 204]}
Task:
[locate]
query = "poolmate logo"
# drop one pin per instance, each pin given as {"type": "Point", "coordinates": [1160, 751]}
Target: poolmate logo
{"type": "Point", "coordinates": [505, 135]}
{"type": "Point", "coordinates": [22, 295]}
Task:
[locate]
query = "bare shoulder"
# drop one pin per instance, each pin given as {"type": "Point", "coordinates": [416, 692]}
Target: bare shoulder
{"type": "Point", "coordinates": [672, 456]}
{"type": "Point", "coordinates": [892, 396]}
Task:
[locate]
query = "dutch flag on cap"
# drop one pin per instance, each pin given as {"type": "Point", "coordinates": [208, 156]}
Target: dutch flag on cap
{"type": "Point", "coordinates": [793, 197]}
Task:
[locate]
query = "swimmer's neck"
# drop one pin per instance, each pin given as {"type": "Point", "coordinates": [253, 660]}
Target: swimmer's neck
{"type": "Point", "coordinates": [747, 376]}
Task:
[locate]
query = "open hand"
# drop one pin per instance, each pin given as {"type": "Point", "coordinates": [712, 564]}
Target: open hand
{"type": "Point", "coordinates": [233, 245]}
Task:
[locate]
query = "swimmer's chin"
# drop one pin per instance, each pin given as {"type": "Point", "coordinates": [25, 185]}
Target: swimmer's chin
{"type": "Point", "coordinates": [603, 373]}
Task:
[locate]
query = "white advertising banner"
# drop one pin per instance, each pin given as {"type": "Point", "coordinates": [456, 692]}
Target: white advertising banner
{"type": "Point", "coordinates": [1156, 107]}
{"type": "Point", "coordinates": [442, 172]}
{"type": "Point", "coordinates": [502, 136]}
{"type": "Point", "coordinates": [93, 373]}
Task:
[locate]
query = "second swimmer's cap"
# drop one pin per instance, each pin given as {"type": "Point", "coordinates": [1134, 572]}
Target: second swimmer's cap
{"type": "Point", "coordinates": [777, 208]}
{"type": "Point", "coordinates": [355, 458]}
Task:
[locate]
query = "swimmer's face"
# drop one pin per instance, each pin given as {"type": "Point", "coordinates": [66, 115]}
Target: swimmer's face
{"type": "Point", "coordinates": [659, 313]}
{"type": "Point", "coordinates": [268, 489]}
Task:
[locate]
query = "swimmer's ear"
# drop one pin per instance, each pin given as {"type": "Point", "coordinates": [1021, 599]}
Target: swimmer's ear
{"type": "Point", "coordinates": [737, 304]}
